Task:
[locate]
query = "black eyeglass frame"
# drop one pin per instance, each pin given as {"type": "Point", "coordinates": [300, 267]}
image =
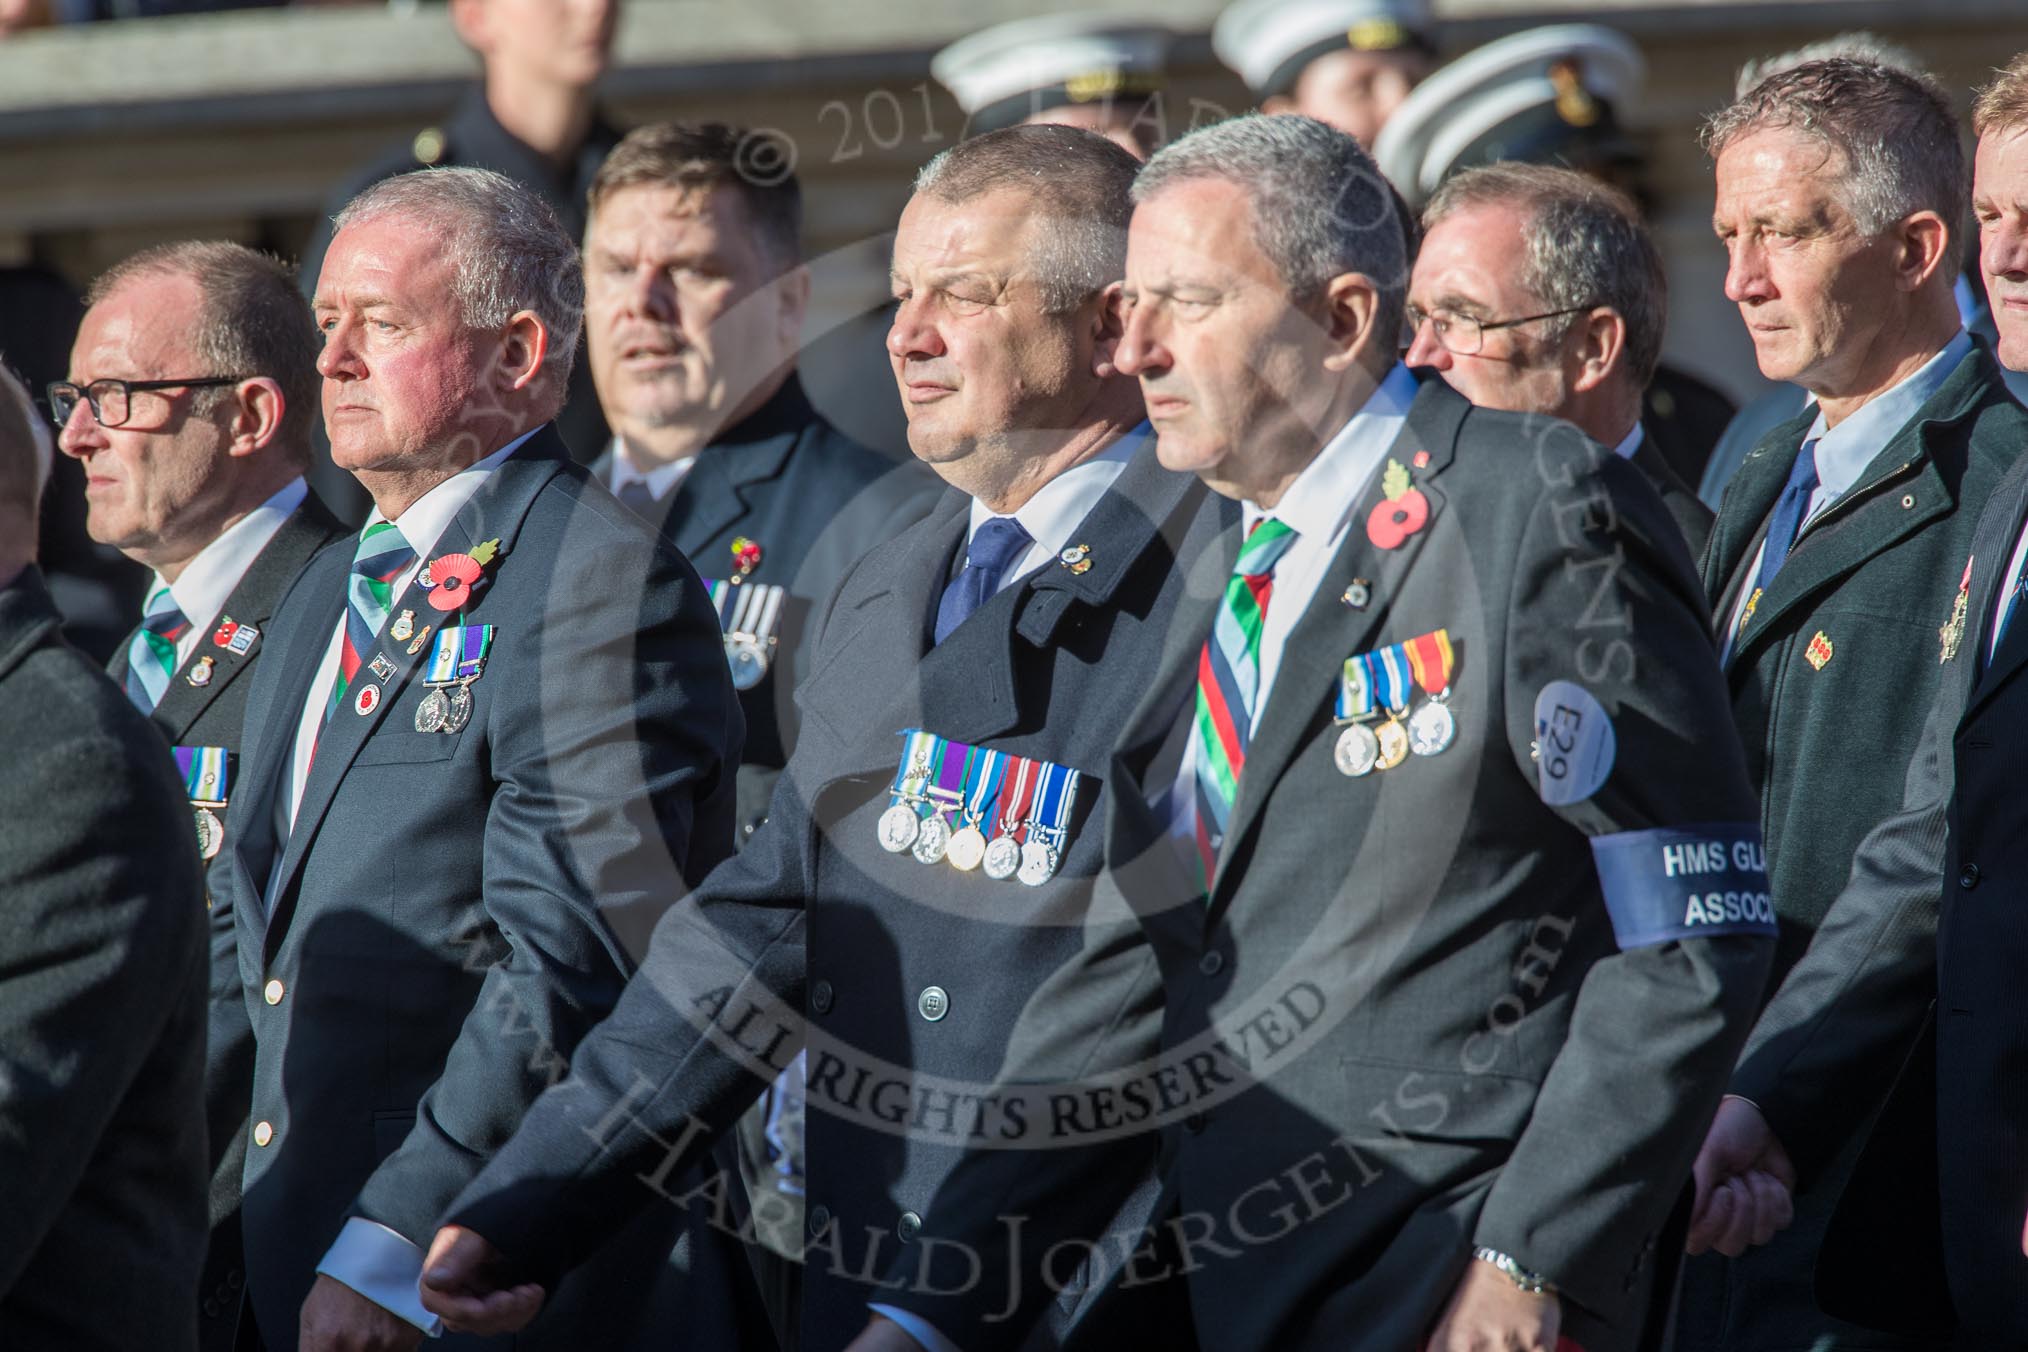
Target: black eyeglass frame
{"type": "Point", "coordinates": [1482, 327]}
{"type": "Point", "coordinates": [85, 394]}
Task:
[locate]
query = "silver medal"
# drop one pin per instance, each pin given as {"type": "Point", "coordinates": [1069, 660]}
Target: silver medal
{"type": "Point", "coordinates": [748, 660]}
{"type": "Point", "coordinates": [210, 833]}
{"type": "Point", "coordinates": [967, 849]}
{"type": "Point", "coordinates": [898, 828]}
{"type": "Point", "coordinates": [932, 840]}
{"type": "Point", "coordinates": [429, 715]}
{"type": "Point", "coordinates": [458, 710]}
{"type": "Point", "coordinates": [1003, 858]}
{"type": "Point", "coordinates": [1038, 863]}
{"type": "Point", "coordinates": [1357, 751]}
{"type": "Point", "coordinates": [1431, 729]}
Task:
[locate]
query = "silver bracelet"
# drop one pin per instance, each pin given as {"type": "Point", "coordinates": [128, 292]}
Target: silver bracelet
{"type": "Point", "coordinates": [1534, 1283]}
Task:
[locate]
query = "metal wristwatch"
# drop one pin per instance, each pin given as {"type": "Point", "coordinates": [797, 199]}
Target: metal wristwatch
{"type": "Point", "coordinates": [1534, 1283]}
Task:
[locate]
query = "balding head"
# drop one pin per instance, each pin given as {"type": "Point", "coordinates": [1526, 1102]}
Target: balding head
{"type": "Point", "coordinates": [25, 455]}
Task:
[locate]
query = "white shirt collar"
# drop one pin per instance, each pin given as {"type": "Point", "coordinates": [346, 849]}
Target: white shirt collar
{"type": "Point", "coordinates": [1056, 508]}
{"type": "Point", "coordinates": [429, 515]}
{"type": "Point", "coordinates": [1629, 443]}
{"type": "Point", "coordinates": [1844, 451]}
{"type": "Point", "coordinates": [661, 480]}
{"type": "Point", "coordinates": [1319, 503]}
{"type": "Point", "coordinates": [206, 582]}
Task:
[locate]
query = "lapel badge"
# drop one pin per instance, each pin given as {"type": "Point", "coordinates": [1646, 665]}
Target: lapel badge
{"type": "Point", "coordinates": [234, 637]}
{"type": "Point", "coordinates": [422, 637]}
{"type": "Point", "coordinates": [1953, 631]}
{"type": "Point", "coordinates": [746, 555]}
{"type": "Point", "coordinates": [200, 672]}
{"type": "Point", "coordinates": [1400, 513]}
{"type": "Point", "coordinates": [404, 625]}
{"type": "Point", "coordinates": [1359, 594]}
{"type": "Point", "coordinates": [382, 668]}
{"type": "Point", "coordinates": [367, 700]}
{"type": "Point", "coordinates": [1421, 460]}
{"type": "Point", "coordinates": [1077, 558]}
{"type": "Point", "coordinates": [1819, 651]}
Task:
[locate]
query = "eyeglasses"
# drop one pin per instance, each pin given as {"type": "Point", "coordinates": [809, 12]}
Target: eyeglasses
{"type": "Point", "coordinates": [1464, 336]}
{"type": "Point", "coordinates": [112, 401]}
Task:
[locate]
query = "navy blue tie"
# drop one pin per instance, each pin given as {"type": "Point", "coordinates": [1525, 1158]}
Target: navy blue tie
{"type": "Point", "coordinates": [994, 546]}
{"type": "Point", "coordinates": [636, 497]}
{"type": "Point", "coordinates": [1790, 509]}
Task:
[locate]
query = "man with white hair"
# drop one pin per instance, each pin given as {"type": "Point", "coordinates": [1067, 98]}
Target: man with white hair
{"type": "Point", "coordinates": [473, 767]}
{"type": "Point", "coordinates": [101, 979]}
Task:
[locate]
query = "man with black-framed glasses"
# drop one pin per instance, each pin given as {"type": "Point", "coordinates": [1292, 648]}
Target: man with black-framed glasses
{"type": "Point", "coordinates": [192, 391]}
{"type": "Point", "coordinates": [1539, 290]}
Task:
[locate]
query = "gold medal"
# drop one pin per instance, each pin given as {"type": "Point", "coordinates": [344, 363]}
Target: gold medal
{"type": "Point", "coordinates": [967, 849]}
{"type": "Point", "coordinates": [1393, 740]}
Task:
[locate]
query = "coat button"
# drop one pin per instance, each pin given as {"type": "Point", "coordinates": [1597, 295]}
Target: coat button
{"type": "Point", "coordinates": [1212, 963]}
{"type": "Point", "coordinates": [272, 992]}
{"type": "Point", "coordinates": [933, 1003]}
{"type": "Point", "coordinates": [263, 1132]}
{"type": "Point", "coordinates": [820, 997]}
{"type": "Point", "coordinates": [234, 1279]}
{"type": "Point", "coordinates": [1968, 878]}
{"type": "Point", "coordinates": [908, 1227]}
{"type": "Point", "coordinates": [210, 1309]}
{"type": "Point", "coordinates": [1194, 1124]}
{"type": "Point", "coordinates": [820, 1219]}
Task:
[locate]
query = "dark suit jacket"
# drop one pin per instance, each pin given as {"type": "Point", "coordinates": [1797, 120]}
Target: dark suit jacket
{"type": "Point", "coordinates": [102, 1216]}
{"type": "Point", "coordinates": [1917, 965]}
{"type": "Point", "coordinates": [1692, 517]}
{"type": "Point", "coordinates": [214, 714]}
{"type": "Point", "coordinates": [1046, 668]}
{"type": "Point", "coordinates": [450, 913]}
{"type": "Point", "coordinates": [1401, 1025]}
{"type": "Point", "coordinates": [1874, 575]}
{"type": "Point", "coordinates": [814, 500]}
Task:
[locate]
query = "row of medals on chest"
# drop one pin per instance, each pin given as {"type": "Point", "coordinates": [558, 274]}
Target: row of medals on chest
{"type": "Point", "coordinates": [933, 840]}
{"type": "Point", "coordinates": [1363, 747]}
{"type": "Point", "coordinates": [448, 706]}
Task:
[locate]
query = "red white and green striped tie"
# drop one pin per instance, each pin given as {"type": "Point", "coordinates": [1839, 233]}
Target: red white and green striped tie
{"type": "Point", "coordinates": [151, 652]}
{"type": "Point", "coordinates": [382, 556]}
{"type": "Point", "coordinates": [1228, 684]}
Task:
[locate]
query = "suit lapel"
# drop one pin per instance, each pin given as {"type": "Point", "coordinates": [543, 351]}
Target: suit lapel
{"type": "Point", "coordinates": [1331, 631]}
{"type": "Point", "coordinates": [713, 496]}
{"type": "Point", "coordinates": [1989, 580]}
{"type": "Point", "coordinates": [494, 512]}
{"type": "Point", "coordinates": [252, 602]}
{"type": "Point", "coordinates": [1749, 500]}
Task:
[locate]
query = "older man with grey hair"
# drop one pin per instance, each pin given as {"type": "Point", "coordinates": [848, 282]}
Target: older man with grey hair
{"type": "Point", "coordinates": [1539, 290]}
{"type": "Point", "coordinates": [472, 767]}
{"type": "Point", "coordinates": [1842, 193]}
{"type": "Point", "coordinates": [101, 979]}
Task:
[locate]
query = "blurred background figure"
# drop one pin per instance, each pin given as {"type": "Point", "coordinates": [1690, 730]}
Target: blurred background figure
{"type": "Point", "coordinates": [1552, 95]}
{"type": "Point", "coordinates": [534, 117]}
{"type": "Point", "coordinates": [1074, 70]}
{"type": "Point", "coordinates": [101, 980]}
{"type": "Point", "coordinates": [1349, 63]}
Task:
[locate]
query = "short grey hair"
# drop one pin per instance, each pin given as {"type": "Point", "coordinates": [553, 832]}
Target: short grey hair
{"type": "Point", "coordinates": [1586, 245]}
{"type": "Point", "coordinates": [27, 453]}
{"type": "Point", "coordinates": [1078, 181]}
{"type": "Point", "coordinates": [1854, 46]}
{"type": "Point", "coordinates": [1320, 206]}
{"type": "Point", "coordinates": [508, 251]}
{"type": "Point", "coordinates": [1893, 130]}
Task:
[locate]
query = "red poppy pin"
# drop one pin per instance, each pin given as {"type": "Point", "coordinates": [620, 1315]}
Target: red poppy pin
{"type": "Point", "coordinates": [1400, 514]}
{"type": "Point", "coordinates": [453, 578]}
{"type": "Point", "coordinates": [746, 554]}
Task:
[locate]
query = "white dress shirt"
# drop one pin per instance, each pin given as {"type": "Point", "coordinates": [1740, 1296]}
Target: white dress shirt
{"type": "Point", "coordinates": [661, 480]}
{"type": "Point", "coordinates": [206, 582]}
{"type": "Point", "coordinates": [1844, 451]}
{"type": "Point", "coordinates": [1319, 506]}
{"type": "Point", "coordinates": [373, 1260]}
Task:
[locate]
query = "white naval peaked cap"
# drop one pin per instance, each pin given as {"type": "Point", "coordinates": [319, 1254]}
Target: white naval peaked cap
{"type": "Point", "coordinates": [1268, 42]}
{"type": "Point", "coordinates": [1534, 95]}
{"type": "Point", "coordinates": [1007, 72]}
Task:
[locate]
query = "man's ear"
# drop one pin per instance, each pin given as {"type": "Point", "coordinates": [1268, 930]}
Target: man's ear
{"type": "Point", "coordinates": [1598, 348]}
{"type": "Point", "coordinates": [523, 346]}
{"type": "Point", "coordinates": [1108, 326]}
{"type": "Point", "coordinates": [257, 410]}
{"type": "Point", "coordinates": [1352, 321]}
{"type": "Point", "coordinates": [792, 297]}
{"type": "Point", "coordinates": [1923, 239]}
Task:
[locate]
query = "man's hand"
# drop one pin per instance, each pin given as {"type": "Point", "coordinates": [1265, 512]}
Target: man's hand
{"type": "Point", "coordinates": [463, 1286]}
{"type": "Point", "coordinates": [338, 1319]}
{"type": "Point", "coordinates": [1488, 1313]}
{"type": "Point", "coordinates": [1745, 1183]}
{"type": "Point", "coordinates": [882, 1334]}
